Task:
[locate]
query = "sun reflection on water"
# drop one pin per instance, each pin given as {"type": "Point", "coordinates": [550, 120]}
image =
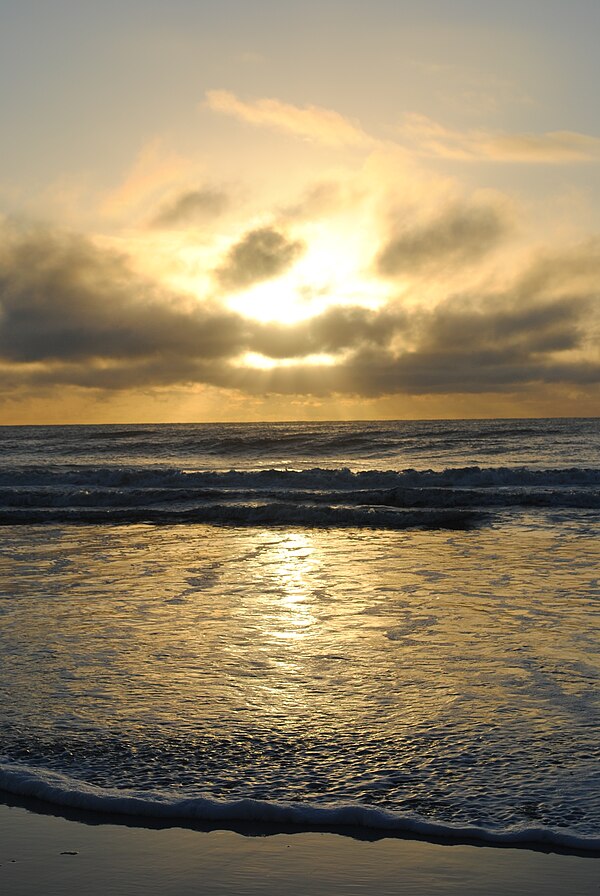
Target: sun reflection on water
{"type": "Point", "coordinates": [293, 560]}
{"type": "Point", "coordinates": [234, 630]}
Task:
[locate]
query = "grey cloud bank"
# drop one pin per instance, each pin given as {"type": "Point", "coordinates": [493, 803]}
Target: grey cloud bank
{"type": "Point", "coordinates": [460, 235]}
{"type": "Point", "coordinates": [71, 313]}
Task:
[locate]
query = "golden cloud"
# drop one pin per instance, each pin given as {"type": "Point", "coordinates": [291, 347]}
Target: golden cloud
{"type": "Point", "coordinates": [310, 122]}
{"type": "Point", "coordinates": [554, 147]}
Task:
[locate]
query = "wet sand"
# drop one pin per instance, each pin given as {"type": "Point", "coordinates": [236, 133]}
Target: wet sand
{"type": "Point", "coordinates": [57, 856]}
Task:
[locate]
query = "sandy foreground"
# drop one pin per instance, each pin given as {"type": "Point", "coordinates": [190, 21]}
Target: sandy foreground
{"type": "Point", "coordinates": [55, 856]}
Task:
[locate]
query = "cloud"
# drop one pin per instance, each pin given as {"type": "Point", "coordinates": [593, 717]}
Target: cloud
{"type": "Point", "coordinates": [334, 331]}
{"type": "Point", "coordinates": [62, 299]}
{"type": "Point", "coordinates": [310, 122]}
{"type": "Point", "coordinates": [153, 169]}
{"type": "Point", "coordinates": [460, 347]}
{"type": "Point", "coordinates": [321, 198]}
{"type": "Point", "coordinates": [542, 331]}
{"type": "Point", "coordinates": [260, 255]}
{"type": "Point", "coordinates": [427, 136]}
{"type": "Point", "coordinates": [461, 234]}
{"type": "Point", "coordinates": [573, 272]}
{"type": "Point", "coordinates": [190, 207]}
{"type": "Point", "coordinates": [74, 314]}
{"type": "Point", "coordinates": [553, 147]}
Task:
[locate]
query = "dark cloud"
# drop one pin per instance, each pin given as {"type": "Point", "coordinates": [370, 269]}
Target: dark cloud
{"type": "Point", "coordinates": [74, 314]}
{"type": "Point", "coordinates": [191, 207]}
{"type": "Point", "coordinates": [460, 347]}
{"type": "Point", "coordinates": [466, 347]}
{"type": "Point", "coordinates": [260, 255]}
{"type": "Point", "coordinates": [461, 235]}
{"type": "Point", "coordinates": [503, 325]}
{"type": "Point", "coordinates": [335, 330]}
{"type": "Point", "coordinates": [63, 299]}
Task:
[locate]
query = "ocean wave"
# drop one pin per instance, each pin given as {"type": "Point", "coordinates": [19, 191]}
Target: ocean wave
{"type": "Point", "coordinates": [236, 514]}
{"type": "Point", "coordinates": [66, 792]}
{"type": "Point", "coordinates": [378, 499]}
{"type": "Point", "coordinates": [400, 497]}
{"type": "Point", "coordinates": [114, 476]}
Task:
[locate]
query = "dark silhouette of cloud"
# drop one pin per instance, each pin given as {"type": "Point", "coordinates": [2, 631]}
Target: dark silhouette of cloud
{"type": "Point", "coordinates": [74, 314]}
{"type": "Point", "coordinates": [191, 207]}
{"type": "Point", "coordinates": [337, 329]}
{"type": "Point", "coordinates": [462, 234]}
{"type": "Point", "coordinates": [260, 255]}
{"type": "Point", "coordinates": [62, 298]}
{"type": "Point", "coordinates": [459, 347]}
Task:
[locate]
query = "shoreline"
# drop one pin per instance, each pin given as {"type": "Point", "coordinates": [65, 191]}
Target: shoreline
{"type": "Point", "coordinates": [54, 797]}
{"type": "Point", "coordinates": [59, 855]}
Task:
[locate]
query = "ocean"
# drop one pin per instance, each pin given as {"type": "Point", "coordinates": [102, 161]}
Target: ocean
{"type": "Point", "coordinates": [389, 626]}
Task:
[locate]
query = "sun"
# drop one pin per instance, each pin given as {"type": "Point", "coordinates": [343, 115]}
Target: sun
{"type": "Point", "coordinates": [331, 272]}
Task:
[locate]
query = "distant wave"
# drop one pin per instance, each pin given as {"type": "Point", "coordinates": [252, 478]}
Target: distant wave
{"type": "Point", "coordinates": [60, 790]}
{"type": "Point", "coordinates": [359, 445]}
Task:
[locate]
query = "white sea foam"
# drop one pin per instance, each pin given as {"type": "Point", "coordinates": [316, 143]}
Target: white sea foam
{"type": "Point", "coordinates": [66, 792]}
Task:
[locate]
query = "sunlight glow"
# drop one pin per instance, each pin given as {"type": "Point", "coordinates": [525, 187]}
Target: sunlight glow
{"type": "Point", "coordinates": [262, 362]}
{"type": "Point", "coordinates": [332, 272]}
{"type": "Point", "coordinates": [294, 561]}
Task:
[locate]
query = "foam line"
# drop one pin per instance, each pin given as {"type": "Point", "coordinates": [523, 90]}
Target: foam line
{"type": "Point", "coordinates": [60, 790]}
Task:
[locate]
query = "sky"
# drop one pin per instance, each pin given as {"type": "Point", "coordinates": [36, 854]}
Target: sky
{"type": "Point", "coordinates": [257, 210]}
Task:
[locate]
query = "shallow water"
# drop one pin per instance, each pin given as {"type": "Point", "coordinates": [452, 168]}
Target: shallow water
{"type": "Point", "coordinates": [444, 676]}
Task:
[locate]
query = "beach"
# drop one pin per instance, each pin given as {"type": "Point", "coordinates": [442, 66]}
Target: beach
{"type": "Point", "coordinates": [300, 448]}
{"type": "Point", "coordinates": [55, 856]}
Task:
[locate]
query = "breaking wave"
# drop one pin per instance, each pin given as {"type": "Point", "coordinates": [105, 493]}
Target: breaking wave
{"type": "Point", "coordinates": [379, 499]}
{"type": "Point", "coordinates": [65, 792]}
